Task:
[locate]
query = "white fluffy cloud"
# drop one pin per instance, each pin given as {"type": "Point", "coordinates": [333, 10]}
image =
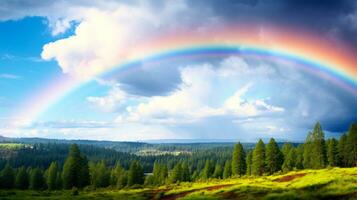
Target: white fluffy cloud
{"type": "Point", "coordinates": [200, 96]}
{"type": "Point", "coordinates": [107, 37]}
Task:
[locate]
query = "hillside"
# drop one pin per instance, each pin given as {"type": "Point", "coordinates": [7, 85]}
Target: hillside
{"type": "Point", "coordinates": [332, 183]}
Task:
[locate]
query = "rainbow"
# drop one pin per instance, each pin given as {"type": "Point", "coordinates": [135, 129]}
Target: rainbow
{"type": "Point", "coordinates": [327, 58]}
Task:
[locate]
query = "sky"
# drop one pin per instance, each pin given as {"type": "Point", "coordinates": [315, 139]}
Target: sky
{"type": "Point", "coordinates": [117, 70]}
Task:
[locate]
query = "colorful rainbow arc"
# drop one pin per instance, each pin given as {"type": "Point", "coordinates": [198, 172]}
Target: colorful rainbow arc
{"type": "Point", "coordinates": [339, 64]}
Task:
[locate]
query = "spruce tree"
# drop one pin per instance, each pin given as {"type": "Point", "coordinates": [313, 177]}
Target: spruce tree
{"type": "Point", "coordinates": [315, 149]}
{"type": "Point", "coordinates": [135, 174]}
{"type": "Point", "coordinates": [22, 179]}
{"type": "Point", "coordinates": [217, 171]}
{"type": "Point", "coordinates": [176, 174]}
{"type": "Point", "coordinates": [299, 157]}
{"type": "Point", "coordinates": [227, 172]}
{"type": "Point", "coordinates": [258, 160]}
{"type": "Point", "coordinates": [332, 152]}
{"type": "Point", "coordinates": [52, 176]}
{"type": "Point", "coordinates": [207, 171]}
{"type": "Point", "coordinates": [116, 174]}
{"type": "Point", "coordinates": [186, 176]}
{"type": "Point", "coordinates": [75, 169]}
{"type": "Point", "coordinates": [100, 175]}
{"type": "Point", "coordinates": [238, 160]}
{"type": "Point", "coordinates": [249, 162]}
{"type": "Point", "coordinates": [351, 146]}
{"type": "Point", "coordinates": [36, 179]}
{"type": "Point", "coordinates": [290, 161]}
{"type": "Point", "coordinates": [285, 149]}
{"type": "Point", "coordinates": [273, 157]}
{"type": "Point", "coordinates": [7, 177]}
{"type": "Point", "coordinates": [342, 151]}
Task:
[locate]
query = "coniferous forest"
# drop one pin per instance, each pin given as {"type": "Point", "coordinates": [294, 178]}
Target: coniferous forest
{"type": "Point", "coordinates": [56, 166]}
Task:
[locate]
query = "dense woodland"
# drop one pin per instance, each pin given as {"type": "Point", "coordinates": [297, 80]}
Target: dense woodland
{"type": "Point", "coordinates": [64, 166]}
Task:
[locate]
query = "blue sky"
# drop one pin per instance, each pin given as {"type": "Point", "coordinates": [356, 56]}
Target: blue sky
{"type": "Point", "coordinates": [226, 97]}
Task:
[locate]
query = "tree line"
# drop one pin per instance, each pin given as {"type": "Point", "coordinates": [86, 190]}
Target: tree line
{"type": "Point", "coordinates": [263, 159]}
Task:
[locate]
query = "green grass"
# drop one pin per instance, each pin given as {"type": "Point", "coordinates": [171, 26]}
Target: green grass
{"type": "Point", "coordinates": [331, 183]}
{"type": "Point", "coordinates": [11, 146]}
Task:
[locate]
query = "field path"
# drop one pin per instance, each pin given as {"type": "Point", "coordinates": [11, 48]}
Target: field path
{"type": "Point", "coordinates": [182, 194]}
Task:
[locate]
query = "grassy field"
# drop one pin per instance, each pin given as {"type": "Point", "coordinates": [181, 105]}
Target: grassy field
{"type": "Point", "coordinates": [332, 183]}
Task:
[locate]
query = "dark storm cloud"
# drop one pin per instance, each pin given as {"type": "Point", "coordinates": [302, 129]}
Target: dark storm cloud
{"type": "Point", "coordinates": [326, 17]}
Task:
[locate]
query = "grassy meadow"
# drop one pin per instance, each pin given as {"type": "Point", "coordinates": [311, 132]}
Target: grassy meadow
{"type": "Point", "coordinates": [329, 183]}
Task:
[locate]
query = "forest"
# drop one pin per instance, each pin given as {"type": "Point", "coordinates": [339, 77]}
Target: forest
{"type": "Point", "coordinates": [61, 166]}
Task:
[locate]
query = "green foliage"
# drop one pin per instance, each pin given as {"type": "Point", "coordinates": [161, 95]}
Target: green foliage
{"type": "Point", "coordinates": [227, 172]}
{"type": "Point", "coordinates": [100, 174]}
{"type": "Point", "coordinates": [160, 173]}
{"type": "Point", "coordinates": [7, 177]}
{"type": "Point", "coordinates": [37, 181]}
{"type": "Point", "coordinates": [75, 169]}
{"type": "Point", "coordinates": [258, 159]}
{"type": "Point", "coordinates": [218, 172]}
{"type": "Point", "coordinates": [290, 161]}
{"type": "Point", "coordinates": [249, 162]}
{"type": "Point", "coordinates": [332, 152]}
{"type": "Point", "coordinates": [208, 170]}
{"type": "Point", "coordinates": [238, 160]}
{"type": "Point", "coordinates": [22, 179]}
{"type": "Point", "coordinates": [118, 176]}
{"type": "Point", "coordinates": [315, 149]}
{"type": "Point", "coordinates": [135, 174]}
{"type": "Point", "coordinates": [342, 151]}
{"type": "Point", "coordinates": [351, 147]}
{"type": "Point", "coordinates": [273, 157]}
{"type": "Point", "coordinates": [52, 173]}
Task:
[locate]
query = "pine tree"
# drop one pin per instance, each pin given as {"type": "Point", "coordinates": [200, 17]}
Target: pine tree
{"type": "Point", "coordinates": [342, 151]}
{"type": "Point", "coordinates": [249, 162]}
{"type": "Point", "coordinates": [36, 179]}
{"type": "Point", "coordinates": [285, 149]}
{"type": "Point", "coordinates": [290, 161]}
{"type": "Point", "coordinates": [176, 174]}
{"type": "Point", "coordinates": [332, 152]}
{"type": "Point", "coordinates": [52, 176]}
{"type": "Point", "coordinates": [351, 146]}
{"type": "Point", "coordinates": [299, 157]}
{"type": "Point", "coordinates": [100, 175]}
{"type": "Point", "coordinates": [207, 171]}
{"type": "Point", "coordinates": [22, 179]}
{"type": "Point", "coordinates": [116, 174]}
{"type": "Point", "coordinates": [135, 174]}
{"type": "Point", "coordinates": [273, 156]}
{"type": "Point", "coordinates": [227, 172]}
{"type": "Point", "coordinates": [186, 176]}
{"type": "Point", "coordinates": [238, 160]}
{"type": "Point", "coordinates": [315, 149]}
{"type": "Point", "coordinates": [217, 171]}
{"type": "Point", "coordinates": [75, 169]}
{"type": "Point", "coordinates": [258, 160]}
{"type": "Point", "coordinates": [7, 177]}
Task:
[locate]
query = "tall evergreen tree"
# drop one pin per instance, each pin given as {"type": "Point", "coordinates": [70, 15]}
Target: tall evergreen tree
{"type": "Point", "coordinates": [186, 176]}
{"type": "Point", "coordinates": [75, 169]}
{"type": "Point", "coordinates": [332, 152]}
{"type": "Point", "coordinates": [217, 171]}
{"type": "Point", "coordinates": [273, 157]}
{"type": "Point", "coordinates": [290, 161]}
{"type": "Point", "coordinates": [22, 179]}
{"type": "Point", "coordinates": [176, 173]}
{"type": "Point", "coordinates": [100, 174]}
{"type": "Point", "coordinates": [36, 179]}
{"type": "Point", "coordinates": [285, 149]}
{"type": "Point", "coordinates": [7, 177]}
{"type": "Point", "coordinates": [207, 171]}
{"type": "Point", "coordinates": [135, 174]}
{"type": "Point", "coordinates": [342, 151]}
{"type": "Point", "coordinates": [258, 160]}
{"type": "Point", "coordinates": [116, 174]}
{"type": "Point", "coordinates": [238, 160]}
{"type": "Point", "coordinates": [249, 162]}
{"type": "Point", "coordinates": [227, 172]}
{"type": "Point", "coordinates": [52, 176]}
{"type": "Point", "coordinates": [351, 146]}
{"type": "Point", "coordinates": [299, 157]}
{"type": "Point", "coordinates": [315, 149]}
